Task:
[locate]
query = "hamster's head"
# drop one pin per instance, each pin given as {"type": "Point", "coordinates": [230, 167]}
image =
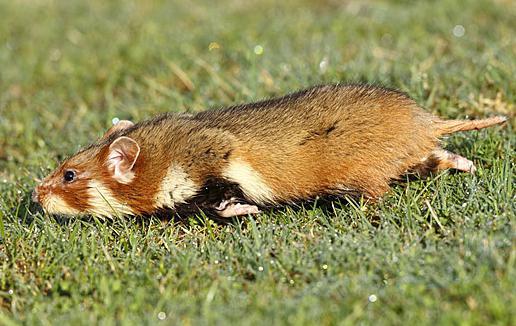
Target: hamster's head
{"type": "Point", "coordinates": [79, 185]}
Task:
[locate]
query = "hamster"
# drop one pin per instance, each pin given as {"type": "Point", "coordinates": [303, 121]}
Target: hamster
{"type": "Point", "coordinates": [326, 140]}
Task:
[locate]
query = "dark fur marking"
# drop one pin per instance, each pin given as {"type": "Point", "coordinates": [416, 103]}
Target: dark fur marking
{"type": "Point", "coordinates": [316, 134]}
{"type": "Point", "coordinates": [331, 128]}
{"type": "Point", "coordinates": [213, 192]}
{"type": "Point", "coordinates": [227, 154]}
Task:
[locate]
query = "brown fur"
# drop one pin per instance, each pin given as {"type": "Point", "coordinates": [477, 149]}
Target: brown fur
{"type": "Point", "coordinates": [360, 137]}
{"type": "Point", "coordinates": [326, 140]}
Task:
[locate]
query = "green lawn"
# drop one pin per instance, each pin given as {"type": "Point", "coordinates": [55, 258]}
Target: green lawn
{"type": "Point", "coordinates": [435, 251]}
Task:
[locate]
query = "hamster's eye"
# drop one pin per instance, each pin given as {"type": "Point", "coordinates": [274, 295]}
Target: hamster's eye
{"type": "Point", "coordinates": [69, 175]}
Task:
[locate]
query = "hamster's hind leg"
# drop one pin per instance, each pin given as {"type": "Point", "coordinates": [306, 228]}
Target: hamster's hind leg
{"type": "Point", "coordinates": [441, 159]}
{"type": "Point", "coordinates": [449, 160]}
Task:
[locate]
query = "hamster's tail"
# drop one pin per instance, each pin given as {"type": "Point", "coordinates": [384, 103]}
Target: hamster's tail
{"type": "Point", "coordinates": [444, 127]}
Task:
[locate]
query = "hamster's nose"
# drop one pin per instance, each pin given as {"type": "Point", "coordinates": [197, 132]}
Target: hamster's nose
{"type": "Point", "coordinates": [35, 197]}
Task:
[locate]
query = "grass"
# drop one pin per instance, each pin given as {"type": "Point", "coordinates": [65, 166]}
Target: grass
{"type": "Point", "coordinates": [435, 251]}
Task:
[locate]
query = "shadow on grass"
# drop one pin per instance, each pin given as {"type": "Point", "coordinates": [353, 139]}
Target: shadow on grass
{"type": "Point", "coordinates": [27, 211]}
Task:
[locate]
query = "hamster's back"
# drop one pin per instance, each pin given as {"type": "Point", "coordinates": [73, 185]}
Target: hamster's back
{"type": "Point", "coordinates": [317, 109]}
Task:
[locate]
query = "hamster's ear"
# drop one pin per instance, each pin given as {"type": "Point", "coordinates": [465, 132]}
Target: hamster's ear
{"type": "Point", "coordinates": [123, 153]}
{"type": "Point", "coordinates": [120, 125]}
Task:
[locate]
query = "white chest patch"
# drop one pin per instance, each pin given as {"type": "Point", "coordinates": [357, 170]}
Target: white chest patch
{"type": "Point", "coordinates": [249, 180]}
{"type": "Point", "coordinates": [176, 188]}
{"type": "Point", "coordinates": [104, 203]}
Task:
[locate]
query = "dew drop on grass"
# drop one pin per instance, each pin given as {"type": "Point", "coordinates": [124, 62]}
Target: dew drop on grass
{"type": "Point", "coordinates": [323, 65]}
{"type": "Point", "coordinates": [372, 298]}
{"type": "Point", "coordinates": [258, 50]}
{"type": "Point", "coordinates": [162, 315]}
{"type": "Point", "coordinates": [458, 31]}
